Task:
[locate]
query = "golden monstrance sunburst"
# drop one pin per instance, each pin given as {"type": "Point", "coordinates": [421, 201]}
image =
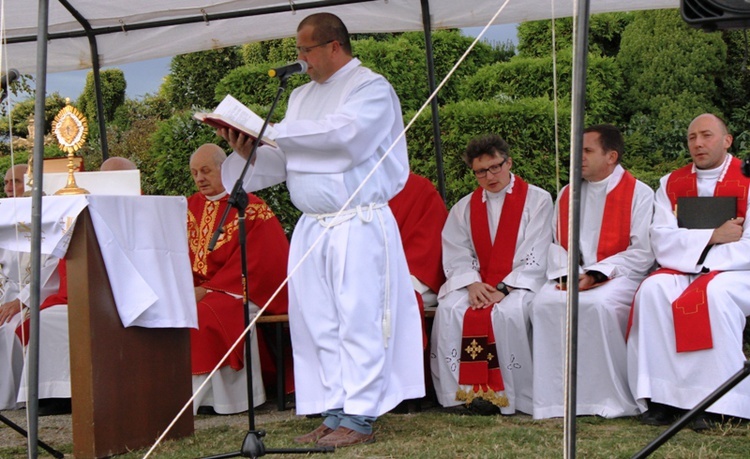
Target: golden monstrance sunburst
{"type": "Point", "coordinates": [70, 128]}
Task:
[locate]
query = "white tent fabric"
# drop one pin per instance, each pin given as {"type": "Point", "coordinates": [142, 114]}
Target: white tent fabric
{"type": "Point", "coordinates": [122, 35]}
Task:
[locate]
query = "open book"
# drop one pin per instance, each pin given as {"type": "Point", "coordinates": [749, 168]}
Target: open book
{"type": "Point", "coordinates": [232, 114]}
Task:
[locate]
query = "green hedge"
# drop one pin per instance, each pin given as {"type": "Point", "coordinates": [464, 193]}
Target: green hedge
{"type": "Point", "coordinates": [527, 125]}
{"type": "Point", "coordinates": [523, 77]}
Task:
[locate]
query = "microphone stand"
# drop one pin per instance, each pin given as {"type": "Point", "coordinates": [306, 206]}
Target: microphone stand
{"type": "Point", "coordinates": [252, 445]}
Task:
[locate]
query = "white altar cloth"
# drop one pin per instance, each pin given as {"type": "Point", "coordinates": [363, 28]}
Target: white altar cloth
{"type": "Point", "coordinates": [143, 240]}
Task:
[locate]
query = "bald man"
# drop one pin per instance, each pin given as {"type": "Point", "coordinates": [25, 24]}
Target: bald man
{"type": "Point", "coordinates": [217, 280]}
{"type": "Point", "coordinates": [688, 317]}
{"type": "Point", "coordinates": [15, 179]}
{"type": "Point", "coordinates": [117, 163]}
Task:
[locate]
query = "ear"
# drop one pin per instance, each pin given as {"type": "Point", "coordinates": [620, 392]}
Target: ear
{"type": "Point", "coordinates": [611, 157]}
{"type": "Point", "coordinates": [728, 141]}
{"type": "Point", "coordinates": [510, 162]}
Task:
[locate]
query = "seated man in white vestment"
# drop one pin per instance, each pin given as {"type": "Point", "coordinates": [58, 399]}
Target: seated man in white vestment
{"type": "Point", "coordinates": [495, 244]}
{"type": "Point", "coordinates": [54, 349]}
{"type": "Point", "coordinates": [615, 255]}
{"type": "Point", "coordinates": [15, 277]}
{"type": "Point", "coordinates": [688, 318]}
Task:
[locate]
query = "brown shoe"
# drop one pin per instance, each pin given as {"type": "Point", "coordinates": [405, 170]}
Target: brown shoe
{"type": "Point", "coordinates": [315, 435]}
{"type": "Point", "coordinates": [344, 436]}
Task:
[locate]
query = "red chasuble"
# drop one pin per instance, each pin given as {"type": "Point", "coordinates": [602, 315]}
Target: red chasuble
{"type": "Point", "coordinates": [420, 214]}
{"type": "Point", "coordinates": [614, 236]}
{"type": "Point", "coordinates": [220, 316]}
{"type": "Point", "coordinates": [692, 322]}
{"type": "Point", "coordinates": [479, 366]}
{"type": "Point", "coordinates": [61, 297]}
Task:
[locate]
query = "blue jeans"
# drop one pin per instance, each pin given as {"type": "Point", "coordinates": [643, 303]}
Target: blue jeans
{"type": "Point", "coordinates": [337, 417]}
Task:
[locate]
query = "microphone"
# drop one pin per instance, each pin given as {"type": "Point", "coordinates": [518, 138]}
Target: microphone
{"type": "Point", "coordinates": [8, 78]}
{"type": "Point", "coordinates": [288, 70]}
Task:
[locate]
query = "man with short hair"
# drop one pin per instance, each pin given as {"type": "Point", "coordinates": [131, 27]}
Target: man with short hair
{"type": "Point", "coordinates": [688, 317]}
{"type": "Point", "coordinates": [352, 310]}
{"type": "Point", "coordinates": [15, 179]}
{"type": "Point", "coordinates": [217, 278]}
{"type": "Point", "coordinates": [494, 254]}
{"type": "Point", "coordinates": [615, 255]}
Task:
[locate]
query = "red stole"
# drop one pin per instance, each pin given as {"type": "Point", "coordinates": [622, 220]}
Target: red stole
{"type": "Point", "coordinates": [614, 236]}
{"type": "Point", "coordinates": [479, 366]}
{"type": "Point", "coordinates": [692, 323]}
{"type": "Point", "coordinates": [61, 297]}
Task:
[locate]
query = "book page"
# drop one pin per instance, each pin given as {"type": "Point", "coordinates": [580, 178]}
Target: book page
{"type": "Point", "coordinates": [234, 110]}
{"type": "Point", "coordinates": [232, 114]}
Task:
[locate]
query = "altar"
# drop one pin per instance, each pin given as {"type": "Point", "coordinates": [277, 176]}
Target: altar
{"type": "Point", "coordinates": [131, 305]}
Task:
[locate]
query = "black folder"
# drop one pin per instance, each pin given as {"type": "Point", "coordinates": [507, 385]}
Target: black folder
{"type": "Point", "coordinates": [705, 212]}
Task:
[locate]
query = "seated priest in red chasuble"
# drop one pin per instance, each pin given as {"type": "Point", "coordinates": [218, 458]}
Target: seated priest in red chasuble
{"type": "Point", "coordinates": [217, 278]}
{"type": "Point", "coordinates": [420, 214]}
{"type": "Point", "coordinates": [495, 244]}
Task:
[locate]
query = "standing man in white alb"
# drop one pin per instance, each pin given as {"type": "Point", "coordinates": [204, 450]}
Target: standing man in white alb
{"type": "Point", "coordinates": [352, 309]}
{"type": "Point", "coordinates": [615, 249]}
{"type": "Point", "coordinates": [688, 318]}
{"type": "Point", "coordinates": [495, 245]}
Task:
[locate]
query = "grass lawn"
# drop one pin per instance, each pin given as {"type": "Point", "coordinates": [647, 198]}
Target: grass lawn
{"type": "Point", "coordinates": [440, 433]}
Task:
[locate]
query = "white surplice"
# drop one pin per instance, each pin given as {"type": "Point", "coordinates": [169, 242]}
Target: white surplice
{"type": "Point", "coordinates": [602, 311]}
{"type": "Point", "coordinates": [352, 312]}
{"type": "Point", "coordinates": [15, 278]}
{"type": "Point", "coordinates": [655, 370]}
{"type": "Point", "coordinates": [54, 355]}
{"type": "Point", "coordinates": [510, 317]}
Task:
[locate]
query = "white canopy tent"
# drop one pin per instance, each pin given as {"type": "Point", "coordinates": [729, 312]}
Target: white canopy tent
{"type": "Point", "coordinates": [137, 30]}
{"type": "Point", "coordinates": [66, 35]}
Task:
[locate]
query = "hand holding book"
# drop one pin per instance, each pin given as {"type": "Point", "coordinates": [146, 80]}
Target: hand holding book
{"type": "Point", "coordinates": [232, 115]}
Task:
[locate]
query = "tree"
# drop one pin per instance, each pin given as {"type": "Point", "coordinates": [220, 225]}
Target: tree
{"type": "Point", "coordinates": [193, 76]}
{"type": "Point", "coordinates": [22, 111]}
{"type": "Point", "coordinates": [605, 31]}
{"type": "Point", "coordinates": [113, 87]}
{"type": "Point", "coordinates": [661, 56]}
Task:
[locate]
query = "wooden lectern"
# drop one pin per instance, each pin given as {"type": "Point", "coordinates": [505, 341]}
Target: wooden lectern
{"type": "Point", "coordinates": [127, 383]}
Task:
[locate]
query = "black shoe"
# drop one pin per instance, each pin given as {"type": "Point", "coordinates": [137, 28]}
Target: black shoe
{"type": "Point", "coordinates": [54, 406]}
{"type": "Point", "coordinates": [705, 421]}
{"type": "Point", "coordinates": [659, 414]}
{"type": "Point", "coordinates": [207, 411]}
{"type": "Point", "coordinates": [483, 407]}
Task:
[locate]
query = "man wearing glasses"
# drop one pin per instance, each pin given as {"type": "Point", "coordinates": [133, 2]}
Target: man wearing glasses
{"type": "Point", "coordinates": [353, 315]}
{"type": "Point", "coordinates": [495, 245]}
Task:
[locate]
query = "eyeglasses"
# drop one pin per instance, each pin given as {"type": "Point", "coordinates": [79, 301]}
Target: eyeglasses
{"type": "Point", "coordinates": [494, 169]}
{"type": "Point", "coordinates": [307, 49]}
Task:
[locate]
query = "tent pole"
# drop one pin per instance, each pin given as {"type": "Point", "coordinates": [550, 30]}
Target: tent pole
{"type": "Point", "coordinates": [32, 398]}
{"type": "Point", "coordinates": [427, 25]}
{"type": "Point", "coordinates": [96, 66]}
{"type": "Point", "coordinates": [578, 96]}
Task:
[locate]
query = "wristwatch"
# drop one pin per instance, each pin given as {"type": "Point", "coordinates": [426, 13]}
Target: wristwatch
{"type": "Point", "coordinates": [503, 288]}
